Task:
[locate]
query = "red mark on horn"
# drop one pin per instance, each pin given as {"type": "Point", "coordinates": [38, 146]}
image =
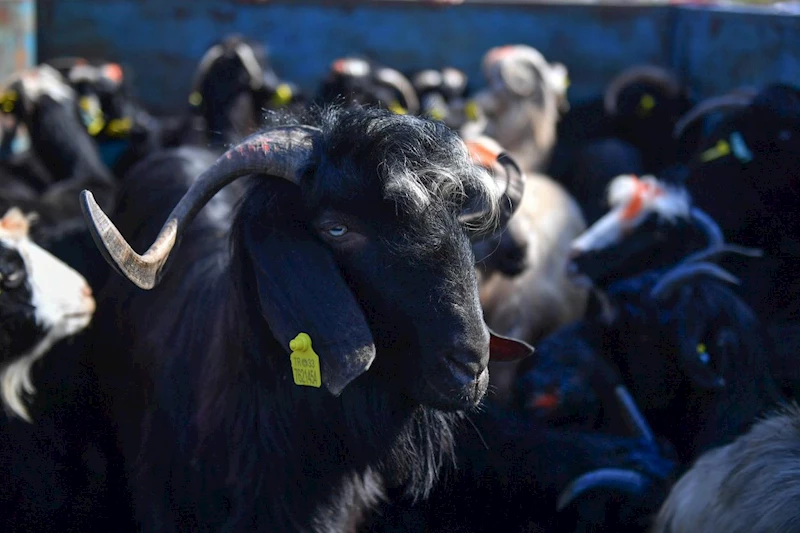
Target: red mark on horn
{"type": "Point", "coordinates": [496, 54]}
{"type": "Point", "coordinates": [265, 146]}
{"type": "Point", "coordinates": [340, 66]}
{"type": "Point", "coordinates": [482, 154]}
{"type": "Point", "coordinates": [642, 194]}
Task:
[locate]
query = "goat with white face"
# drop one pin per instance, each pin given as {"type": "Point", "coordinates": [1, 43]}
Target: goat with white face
{"type": "Point", "coordinates": [42, 301]}
{"type": "Point", "coordinates": [522, 104]}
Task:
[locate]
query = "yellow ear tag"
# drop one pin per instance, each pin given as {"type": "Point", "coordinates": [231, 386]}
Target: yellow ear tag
{"type": "Point", "coordinates": [646, 105]}
{"type": "Point", "coordinates": [305, 363]}
{"type": "Point", "coordinates": [437, 113]}
{"type": "Point", "coordinates": [119, 127]}
{"type": "Point", "coordinates": [471, 111]}
{"type": "Point", "coordinates": [8, 101]}
{"type": "Point", "coordinates": [282, 96]}
{"type": "Point", "coordinates": [195, 98]}
{"type": "Point", "coordinates": [721, 149]}
{"type": "Point", "coordinates": [396, 108]}
{"type": "Point", "coordinates": [702, 353]}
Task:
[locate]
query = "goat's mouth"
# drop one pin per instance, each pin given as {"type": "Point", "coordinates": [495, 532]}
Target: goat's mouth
{"type": "Point", "coordinates": [462, 386]}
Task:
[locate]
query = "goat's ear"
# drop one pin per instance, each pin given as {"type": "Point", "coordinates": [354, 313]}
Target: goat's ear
{"type": "Point", "coordinates": [301, 290]}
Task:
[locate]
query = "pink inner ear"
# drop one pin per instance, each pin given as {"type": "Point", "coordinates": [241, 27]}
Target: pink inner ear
{"type": "Point", "coordinates": [506, 349]}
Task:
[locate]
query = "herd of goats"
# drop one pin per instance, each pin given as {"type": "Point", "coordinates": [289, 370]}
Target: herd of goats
{"type": "Point", "coordinates": [426, 307]}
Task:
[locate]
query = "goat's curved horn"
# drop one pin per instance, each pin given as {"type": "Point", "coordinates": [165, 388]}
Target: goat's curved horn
{"type": "Point", "coordinates": [487, 153]}
{"type": "Point", "coordinates": [396, 80]}
{"type": "Point", "coordinates": [208, 59]}
{"type": "Point", "coordinates": [615, 478]}
{"type": "Point", "coordinates": [647, 73]}
{"type": "Point", "coordinates": [725, 101]}
{"type": "Point", "coordinates": [708, 226]}
{"type": "Point", "coordinates": [633, 417]}
{"type": "Point", "coordinates": [248, 58]}
{"type": "Point", "coordinates": [709, 254]}
{"type": "Point", "coordinates": [515, 188]}
{"type": "Point", "coordinates": [280, 152]}
{"type": "Point", "coordinates": [683, 273]}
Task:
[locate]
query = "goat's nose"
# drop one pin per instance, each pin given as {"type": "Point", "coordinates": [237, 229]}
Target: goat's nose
{"type": "Point", "coordinates": [86, 290]}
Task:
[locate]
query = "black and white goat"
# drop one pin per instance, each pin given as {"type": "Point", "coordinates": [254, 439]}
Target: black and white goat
{"type": "Point", "coordinates": [348, 245]}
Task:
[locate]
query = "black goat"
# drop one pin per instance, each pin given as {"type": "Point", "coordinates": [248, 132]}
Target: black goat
{"type": "Point", "coordinates": [745, 175]}
{"type": "Point", "coordinates": [232, 86]}
{"type": "Point", "coordinates": [651, 224]}
{"type": "Point", "coordinates": [40, 99]}
{"type": "Point", "coordinates": [351, 236]}
{"type": "Point", "coordinates": [441, 92]}
{"type": "Point", "coordinates": [356, 80]}
{"type": "Point", "coordinates": [691, 352]}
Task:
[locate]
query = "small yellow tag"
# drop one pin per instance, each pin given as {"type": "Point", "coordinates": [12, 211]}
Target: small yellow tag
{"type": "Point", "coordinates": [282, 96]}
{"type": "Point", "coordinates": [195, 98]}
{"type": "Point", "coordinates": [8, 100]}
{"type": "Point", "coordinates": [721, 149]}
{"type": "Point", "coordinates": [119, 127]}
{"type": "Point", "coordinates": [305, 363]}
{"type": "Point", "coordinates": [701, 348]}
{"type": "Point", "coordinates": [471, 110]}
{"type": "Point", "coordinates": [646, 105]}
{"type": "Point", "coordinates": [437, 113]}
{"type": "Point", "coordinates": [396, 108]}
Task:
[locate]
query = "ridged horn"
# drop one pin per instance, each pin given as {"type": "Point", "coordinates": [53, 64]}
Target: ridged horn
{"type": "Point", "coordinates": [279, 152]}
{"type": "Point", "coordinates": [725, 101]}
{"type": "Point", "coordinates": [393, 78]}
{"type": "Point", "coordinates": [615, 478]}
{"type": "Point", "coordinates": [646, 73]}
{"type": "Point", "coordinates": [685, 272]}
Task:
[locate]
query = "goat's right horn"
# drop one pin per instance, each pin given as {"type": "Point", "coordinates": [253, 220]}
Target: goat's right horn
{"type": "Point", "coordinates": [490, 155]}
{"type": "Point", "coordinates": [616, 478]}
{"type": "Point", "coordinates": [395, 79]}
{"type": "Point", "coordinates": [281, 152]}
{"type": "Point", "coordinates": [726, 101]}
{"type": "Point", "coordinates": [708, 226]}
{"type": "Point", "coordinates": [685, 272]}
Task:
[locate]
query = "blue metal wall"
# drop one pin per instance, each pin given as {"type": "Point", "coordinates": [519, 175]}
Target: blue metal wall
{"type": "Point", "coordinates": [163, 39]}
{"type": "Point", "coordinates": [17, 35]}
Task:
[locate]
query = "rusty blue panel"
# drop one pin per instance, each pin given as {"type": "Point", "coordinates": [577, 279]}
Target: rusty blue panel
{"type": "Point", "coordinates": [17, 35]}
{"type": "Point", "coordinates": [717, 49]}
{"type": "Point", "coordinates": [162, 40]}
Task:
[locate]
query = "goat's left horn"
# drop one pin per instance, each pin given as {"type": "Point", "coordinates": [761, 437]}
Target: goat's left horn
{"type": "Point", "coordinates": [615, 478]}
{"type": "Point", "coordinates": [685, 272]}
{"type": "Point", "coordinates": [515, 187]}
{"type": "Point", "coordinates": [633, 416]}
{"type": "Point", "coordinates": [648, 73]}
{"type": "Point", "coordinates": [281, 152]}
{"type": "Point", "coordinates": [733, 100]}
{"type": "Point", "coordinates": [396, 80]}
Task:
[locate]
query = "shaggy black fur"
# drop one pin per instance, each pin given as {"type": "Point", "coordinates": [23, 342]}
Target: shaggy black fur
{"type": "Point", "coordinates": [221, 439]}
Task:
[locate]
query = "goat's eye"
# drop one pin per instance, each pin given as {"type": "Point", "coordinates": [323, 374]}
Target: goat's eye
{"type": "Point", "coordinates": [337, 231]}
{"type": "Point", "coordinates": [13, 280]}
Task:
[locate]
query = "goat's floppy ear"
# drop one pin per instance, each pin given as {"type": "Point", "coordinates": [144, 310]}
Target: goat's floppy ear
{"type": "Point", "coordinates": [301, 290]}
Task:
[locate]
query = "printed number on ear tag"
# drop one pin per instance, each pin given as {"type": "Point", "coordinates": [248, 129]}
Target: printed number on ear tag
{"type": "Point", "coordinates": [305, 363]}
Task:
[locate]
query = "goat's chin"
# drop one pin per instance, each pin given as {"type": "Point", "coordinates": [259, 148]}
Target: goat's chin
{"type": "Point", "coordinates": [452, 393]}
